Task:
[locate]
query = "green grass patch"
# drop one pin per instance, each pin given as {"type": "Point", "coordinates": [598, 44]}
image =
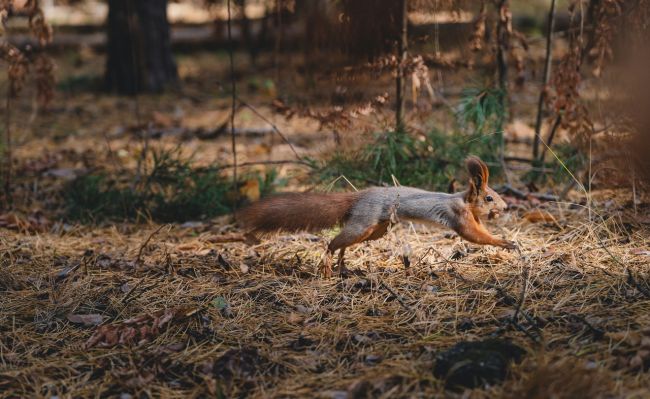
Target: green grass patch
{"type": "Point", "coordinates": [429, 160]}
{"type": "Point", "coordinates": [172, 190]}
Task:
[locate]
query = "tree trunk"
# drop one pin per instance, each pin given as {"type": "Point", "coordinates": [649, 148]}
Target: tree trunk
{"type": "Point", "coordinates": [139, 56]}
{"type": "Point", "coordinates": [401, 59]}
{"type": "Point", "coordinates": [546, 78]}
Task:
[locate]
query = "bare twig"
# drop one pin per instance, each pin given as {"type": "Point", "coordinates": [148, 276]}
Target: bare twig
{"type": "Point", "coordinates": [138, 259]}
{"type": "Point", "coordinates": [632, 281]}
{"type": "Point", "coordinates": [503, 44]}
{"type": "Point", "coordinates": [517, 159]}
{"type": "Point", "coordinates": [401, 60]}
{"type": "Point", "coordinates": [550, 138]}
{"type": "Point", "coordinates": [522, 294]}
{"type": "Point", "coordinates": [7, 151]}
{"type": "Point", "coordinates": [399, 298]}
{"type": "Point", "coordinates": [278, 40]}
{"type": "Point", "coordinates": [128, 294]}
{"type": "Point", "coordinates": [273, 126]}
{"type": "Point", "coordinates": [508, 189]}
{"type": "Point", "coordinates": [233, 88]}
{"type": "Point", "coordinates": [280, 162]}
{"type": "Point", "coordinates": [547, 76]}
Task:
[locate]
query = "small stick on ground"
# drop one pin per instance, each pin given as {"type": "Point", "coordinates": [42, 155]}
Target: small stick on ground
{"type": "Point", "coordinates": [279, 162]}
{"type": "Point", "coordinates": [632, 281]}
{"type": "Point", "coordinates": [233, 88]}
{"type": "Point", "coordinates": [138, 260]}
{"type": "Point", "coordinates": [547, 76]}
{"type": "Point", "coordinates": [522, 294]}
{"type": "Point", "coordinates": [399, 298]}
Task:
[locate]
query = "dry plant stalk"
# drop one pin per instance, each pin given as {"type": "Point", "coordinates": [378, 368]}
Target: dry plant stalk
{"type": "Point", "coordinates": [17, 72]}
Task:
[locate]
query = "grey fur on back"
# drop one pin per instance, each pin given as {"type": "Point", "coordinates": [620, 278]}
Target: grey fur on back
{"type": "Point", "coordinates": [376, 205]}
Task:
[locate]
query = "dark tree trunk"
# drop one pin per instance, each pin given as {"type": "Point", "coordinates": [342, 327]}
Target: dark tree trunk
{"type": "Point", "coordinates": [139, 51]}
{"type": "Point", "coordinates": [401, 59]}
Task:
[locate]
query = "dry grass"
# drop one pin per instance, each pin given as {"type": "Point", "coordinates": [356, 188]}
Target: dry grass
{"type": "Point", "coordinates": [199, 317]}
{"type": "Point", "coordinates": [257, 321]}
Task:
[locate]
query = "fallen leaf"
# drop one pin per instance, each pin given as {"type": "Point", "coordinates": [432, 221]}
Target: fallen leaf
{"type": "Point", "coordinates": [640, 252]}
{"type": "Point", "coordinates": [206, 251]}
{"type": "Point", "coordinates": [65, 173]}
{"type": "Point", "coordinates": [192, 246]}
{"type": "Point", "coordinates": [234, 237]}
{"type": "Point", "coordinates": [86, 319]}
{"type": "Point", "coordinates": [162, 120]}
{"type": "Point", "coordinates": [223, 262]}
{"type": "Point", "coordinates": [538, 215]}
{"type": "Point", "coordinates": [242, 364]}
{"type": "Point", "coordinates": [519, 130]}
{"type": "Point", "coordinates": [295, 318]}
{"type": "Point", "coordinates": [250, 190]}
{"type": "Point", "coordinates": [191, 225]}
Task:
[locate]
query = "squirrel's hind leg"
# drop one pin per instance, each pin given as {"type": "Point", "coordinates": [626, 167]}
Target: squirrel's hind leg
{"type": "Point", "coordinates": [341, 262]}
{"type": "Point", "coordinates": [353, 234]}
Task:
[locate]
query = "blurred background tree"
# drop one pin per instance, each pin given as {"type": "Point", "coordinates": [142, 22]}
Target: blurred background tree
{"type": "Point", "coordinates": [139, 51]}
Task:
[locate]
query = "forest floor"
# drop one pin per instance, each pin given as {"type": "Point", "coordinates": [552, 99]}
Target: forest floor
{"type": "Point", "coordinates": [176, 310]}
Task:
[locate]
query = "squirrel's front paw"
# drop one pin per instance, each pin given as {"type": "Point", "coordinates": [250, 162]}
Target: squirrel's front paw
{"type": "Point", "coordinates": [508, 244]}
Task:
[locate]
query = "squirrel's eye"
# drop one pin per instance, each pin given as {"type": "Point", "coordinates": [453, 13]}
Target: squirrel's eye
{"type": "Point", "coordinates": [489, 198]}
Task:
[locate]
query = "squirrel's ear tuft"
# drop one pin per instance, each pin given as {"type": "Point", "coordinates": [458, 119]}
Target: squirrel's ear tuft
{"type": "Point", "coordinates": [472, 192]}
{"type": "Point", "coordinates": [478, 171]}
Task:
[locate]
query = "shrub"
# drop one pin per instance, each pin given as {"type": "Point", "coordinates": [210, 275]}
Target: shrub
{"type": "Point", "coordinates": [172, 191]}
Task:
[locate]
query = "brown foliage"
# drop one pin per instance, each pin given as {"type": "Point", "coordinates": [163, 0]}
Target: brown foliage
{"type": "Point", "coordinates": [20, 60]}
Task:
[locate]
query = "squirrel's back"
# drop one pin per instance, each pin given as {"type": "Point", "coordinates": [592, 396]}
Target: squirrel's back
{"type": "Point", "coordinates": [298, 211]}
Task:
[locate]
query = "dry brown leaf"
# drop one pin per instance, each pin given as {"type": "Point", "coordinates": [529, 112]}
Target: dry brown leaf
{"type": "Point", "coordinates": [250, 190]}
{"type": "Point", "coordinates": [295, 318]}
{"type": "Point", "coordinates": [189, 246]}
{"type": "Point", "coordinates": [86, 319]}
{"type": "Point", "coordinates": [162, 120]}
{"type": "Point", "coordinates": [233, 237]}
{"type": "Point", "coordinates": [538, 215]}
{"type": "Point", "coordinates": [631, 338]}
{"type": "Point", "coordinates": [640, 252]}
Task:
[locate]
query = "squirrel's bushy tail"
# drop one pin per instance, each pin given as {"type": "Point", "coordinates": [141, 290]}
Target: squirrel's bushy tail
{"type": "Point", "coordinates": [298, 211]}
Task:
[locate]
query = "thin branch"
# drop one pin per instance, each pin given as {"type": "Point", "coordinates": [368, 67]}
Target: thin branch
{"type": "Point", "coordinates": [503, 45]}
{"type": "Point", "coordinates": [508, 189]}
{"type": "Point", "coordinates": [547, 77]}
{"type": "Point", "coordinates": [518, 159]}
{"type": "Point", "coordinates": [280, 162]}
{"type": "Point", "coordinates": [632, 281]}
{"type": "Point", "coordinates": [401, 61]}
{"type": "Point", "coordinates": [138, 259]}
{"type": "Point", "coordinates": [275, 128]}
{"type": "Point", "coordinates": [399, 298]}
{"type": "Point", "coordinates": [7, 151]}
{"type": "Point", "coordinates": [522, 294]}
{"type": "Point", "coordinates": [550, 138]}
{"type": "Point", "coordinates": [233, 89]}
{"type": "Point", "coordinates": [278, 39]}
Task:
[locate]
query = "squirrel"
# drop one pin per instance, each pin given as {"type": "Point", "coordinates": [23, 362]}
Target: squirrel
{"type": "Point", "coordinates": [366, 215]}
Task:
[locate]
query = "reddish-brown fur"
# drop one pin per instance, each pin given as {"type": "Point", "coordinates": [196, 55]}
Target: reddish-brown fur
{"type": "Point", "coordinates": [367, 216]}
{"type": "Point", "coordinates": [298, 211]}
